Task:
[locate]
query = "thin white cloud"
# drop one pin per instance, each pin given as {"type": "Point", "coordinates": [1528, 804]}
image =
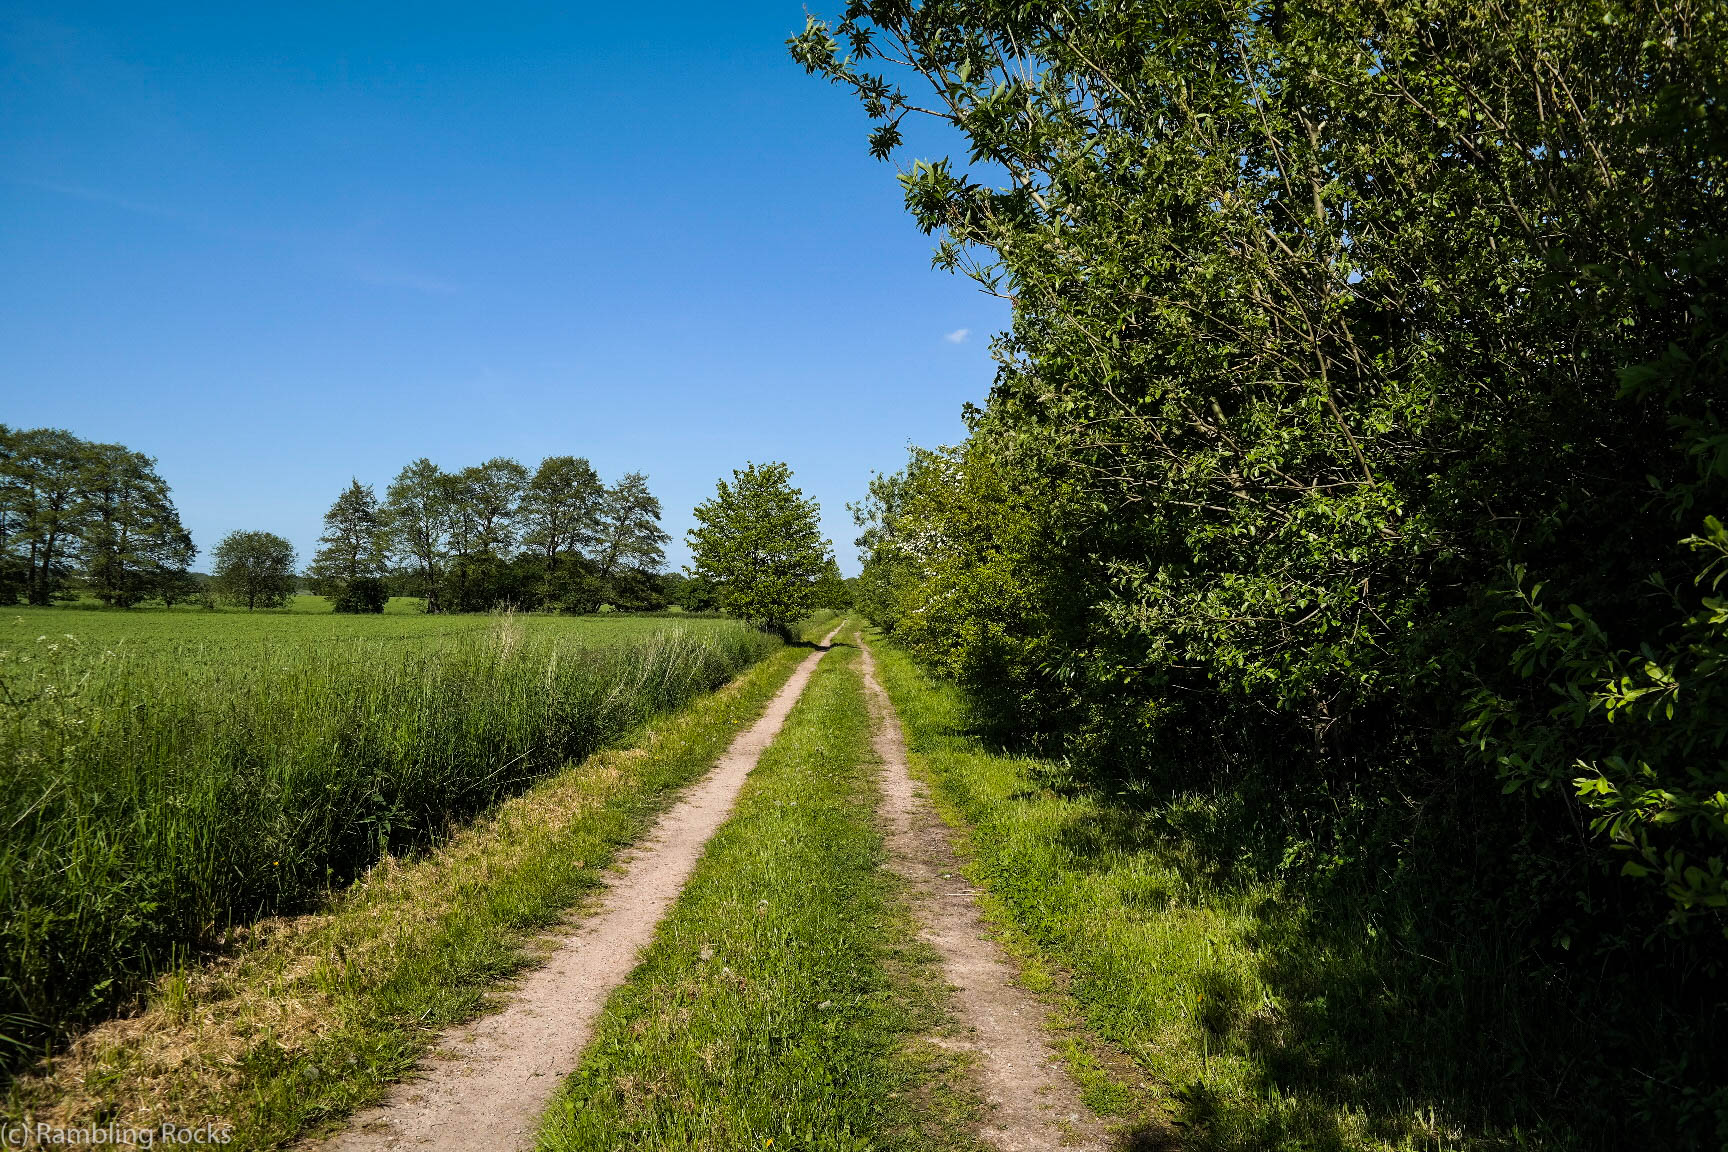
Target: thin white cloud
{"type": "Point", "coordinates": [958, 336]}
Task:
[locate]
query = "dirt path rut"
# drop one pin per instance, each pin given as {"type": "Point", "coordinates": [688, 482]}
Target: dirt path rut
{"type": "Point", "coordinates": [486, 1084]}
{"type": "Point", "coordinates": [1034, 1104]}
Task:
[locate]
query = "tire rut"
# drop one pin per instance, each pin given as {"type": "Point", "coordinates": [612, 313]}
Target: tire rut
{"type": "Point", "coordinates": [485, 1085]}
{"type": "Point", "coordinates": [1034, 1104]}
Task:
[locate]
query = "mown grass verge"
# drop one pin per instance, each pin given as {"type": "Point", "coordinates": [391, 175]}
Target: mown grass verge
{"type": "Point", "coordinates": [154, 801]}
{"type": "Point", "coordinates": [785, 1002]}
{"type": "Point", "coordinates": [1203, 1012]}
{"type": "Point", "coordinates": [309, 1017]}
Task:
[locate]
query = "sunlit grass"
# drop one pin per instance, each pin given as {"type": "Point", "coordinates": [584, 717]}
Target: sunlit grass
{"type": "Point", "coordinates": [785, 1002]}
{"type": "Point", "coordinates": [155, 794]}
{"type": "Point", "coordinates": [1210, 1013]}
{"type": "Point", "coordinates": [308, 1017]}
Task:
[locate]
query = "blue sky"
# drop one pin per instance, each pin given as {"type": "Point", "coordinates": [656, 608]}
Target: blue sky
{"type": "Point", "coordinates": [275, 246]}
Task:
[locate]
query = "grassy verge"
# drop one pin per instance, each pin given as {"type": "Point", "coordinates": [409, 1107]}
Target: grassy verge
{"type": "Point", "coordinates": [154, 800]}
{"type": "Point", "coordinates": [310, 1017]}
{"type": "Point", "coordinates": [1202, 1010]}
{"type": "Point", "coordinates": [785, 1002]}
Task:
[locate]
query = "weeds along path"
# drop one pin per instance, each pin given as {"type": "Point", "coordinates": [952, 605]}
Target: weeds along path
{"type": "Point", "coordinates": [487, 1083]}
{"type": "Point", "coordinates": [1034, 1105]}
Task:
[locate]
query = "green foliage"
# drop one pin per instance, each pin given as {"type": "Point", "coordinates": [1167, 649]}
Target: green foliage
{"type": "Point", "coordinates": [418, 513]}
{"type": "Point", "coordinates": [560, 509]}
{"type": "Point", "coordinates": [492, 536]}
{"type": "Point", "coordinates": [1328, 318]}
{"type": "Point", "coordinates": [361, 594]}
{"type": "Point", "coordinates": [69, 507]}
{"type": "Point", "coordinates": [627, 531]}
{"type": "Point", "coordinates": [691, 593]}
{"type": "Point", "coordinates": [158, 792]}
{"type": "Point", "coordinates": [353, 546]}
{"type": "Point", "coordinates": [760, 544]}
{"type": "Point", "coordinates": [1640, 737]}
{"type": "Point", "coordinates": [831, 589]}
{"type": "Point", "coordinates": [254, 569]}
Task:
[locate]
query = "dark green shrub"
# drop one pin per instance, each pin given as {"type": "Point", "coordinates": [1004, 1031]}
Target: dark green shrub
{"type": "Point", "coordinates": [362, 594]}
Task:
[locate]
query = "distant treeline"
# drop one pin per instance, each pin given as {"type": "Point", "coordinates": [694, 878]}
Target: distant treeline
{"type": "Point", "coordinates": [496, 534]}
{"type": "Point", "coordinates": [96, 515]}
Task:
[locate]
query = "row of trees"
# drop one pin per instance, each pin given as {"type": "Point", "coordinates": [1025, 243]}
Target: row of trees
{"type": "Point", "coordinates": [98, 513]}
{"type": "Point", "coordinates": [1351, 465]}
{"type": "Point", "coordinates": [558, 538]}
{"type": "Point", "coordinates": [80, 516]}
{"type": "Point", "coordinates": [493, 534]}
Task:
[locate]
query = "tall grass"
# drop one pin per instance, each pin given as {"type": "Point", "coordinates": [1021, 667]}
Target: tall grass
{"type": "Point", "coordinates": [151, 802]}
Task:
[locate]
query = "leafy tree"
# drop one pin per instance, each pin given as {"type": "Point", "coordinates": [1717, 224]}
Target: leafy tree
{"type": "Point", "coordinates": [491, 495]}
{"type": "Point", "coordinates": [419, 516]}
{"type": "Point", "coordinates": [14, 572]}
{"type": "Point", "coordinates": [759, 542]}
{"type": "Point", "coordinates": [484, 500]}
{"type": "Point", "coordinates": [560, 510]}
{"type": "Point", "coordinates": [628, 533]}
{"type": "Point", "coordinates": [47, 513]}
{"type": "Point", "coordinates": [173, 586]}
{"type": "Point", "coordinates": [255, 569]}
{"type": "Point", "coordinates": [636, 590]}
{"type": "Point", "coordinates": [353, 545]}
{"type": "Point", "coordinates": [691, 593]}
{"type": "Point", "coordinates": [133, 544]}
{"type": "Point", "coordinates": [577, 590]}
{"type": "Point", "coordinates": [831, 589]}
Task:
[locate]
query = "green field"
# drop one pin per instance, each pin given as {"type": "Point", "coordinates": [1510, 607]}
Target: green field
{"type": "Point", "coordinates": [169, 776]}
{"type": "Point", "coordinates": [184, 630]}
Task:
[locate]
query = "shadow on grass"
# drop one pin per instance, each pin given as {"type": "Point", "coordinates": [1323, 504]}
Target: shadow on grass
{"type": "Point", "coordinates": [1355, 1014]}
{"type": "Point", "coordinates": [1374, 976]}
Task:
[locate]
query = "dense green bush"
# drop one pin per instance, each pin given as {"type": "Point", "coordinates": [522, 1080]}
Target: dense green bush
{"type": "Point", "coordinates": [362, 594]}
{"type": "Point", "coordinates": [1339, 327]}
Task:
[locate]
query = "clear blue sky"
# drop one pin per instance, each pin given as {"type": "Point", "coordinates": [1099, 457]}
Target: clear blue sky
{"type": "Point", "coordinates": [275, 246]}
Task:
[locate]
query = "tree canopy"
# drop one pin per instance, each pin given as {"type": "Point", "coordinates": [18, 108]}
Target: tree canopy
{"type": "Point", "coordinates": [759, 542]}
{"type": "Point", "coordinates": [494, 534]}
{"type": "Point", "coordinates": [254, 569]}
{"type": "Point", "coordinates": [1356, 448]}
{"type": "Point", "coordinates": [97, 512]}
{"type": "Point", "coordinates": [353, 544]}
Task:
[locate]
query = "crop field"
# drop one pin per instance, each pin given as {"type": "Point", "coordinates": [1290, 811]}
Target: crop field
{"type": "Point", "coordinates": [167, 777]}
{"type": "Point", "coordinates": [188, 631]}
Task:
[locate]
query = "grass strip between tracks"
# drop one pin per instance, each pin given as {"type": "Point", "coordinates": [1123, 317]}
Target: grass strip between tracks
{"type": "Point", "coordinates": [313, 1016]}
{"type": "Point", "coordinates": [786, 1001]}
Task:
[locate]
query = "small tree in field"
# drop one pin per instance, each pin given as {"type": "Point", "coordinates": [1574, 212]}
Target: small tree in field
{"type": "Point", "coordinates": [255, 569]}
{"type": "Point", "coordinates": [759, 542]}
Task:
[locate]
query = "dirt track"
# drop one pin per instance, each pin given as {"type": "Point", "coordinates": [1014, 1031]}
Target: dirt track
{"type": "Point", "coordinates": [1035, 1106]}
{"type": "Point", "coordinates": [485, 1085]}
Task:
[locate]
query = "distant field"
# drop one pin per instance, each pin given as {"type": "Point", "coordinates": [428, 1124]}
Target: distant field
{"type": "Point", "coordinates": [300, 602]}
{"type": "Point", "coordinates": [166, 776]}
{"type": "Point", "coordinates": [189, 630]}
